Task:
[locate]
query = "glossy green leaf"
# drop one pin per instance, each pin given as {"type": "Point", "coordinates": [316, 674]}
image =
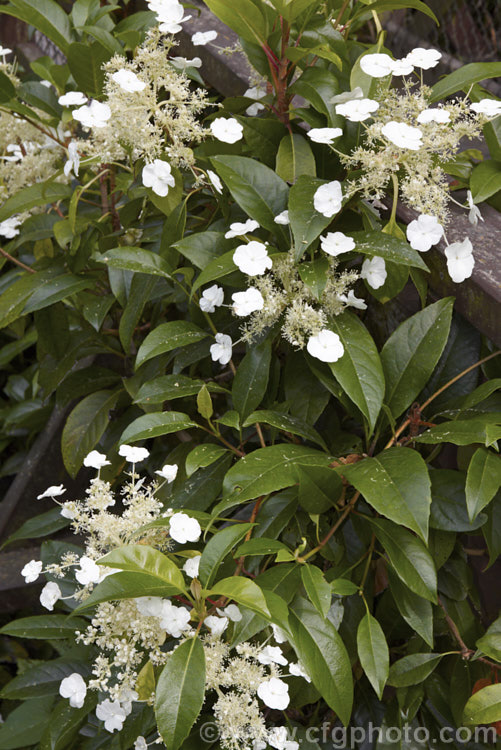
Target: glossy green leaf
{"type": "Point", "coordinates": [141, 558]}
{"type": "Point", "coordinates": [202, 247]}
{"type": "Point", "coordinates": [463, 78]}
{"type": "Point", "coordinates": [373, 652]}
{"type": "Point", "coordinates": [389, 248]}
{"type": "Point", "coordinates": [251, 379]}
{"type": "Point", "coordinates": [156, 424]}
{"type": "Point", "coordinates": [319, 488]}
{"type": "Point", "coordinates": [482, 481]}
{"type": "Point", "coordinates": [65, 722]}
{"type": "Point", "coordinates": [135, 259]}
{"type": "Point", "coordinates": [490, 643]}
{"type": "Point", "coordinates": [42, 525]}
{"type": "Point", "coordinates": [85, 62]}
{"type": "Point", "coordinates": [203, 455]}
{"type": "Point", "coordinates": [243, 591]}
{"type": "Point", "coordinates": [286, 423]}
{"type": "Point", "coordinates": [215, 270]}
{"type": "Point", "coordinates": [249, 22]}
{"type": "Point", "coordinates": [415, 610]}
{"type": "Point", "coordinates": [217, 548]}
{"type": "Point", "coordinates": [35, 195]}
{"type": "Point", "coordinates": [169, 387]}
{"type": "Point", "coordinates": [383, 6]}
{"type": "Point", "coordinates": [318, 590]}
{"type": "Point", "coordinates": [484, 707]}
{"type": "Point", "coordinates": [128, 585]}
{"type": "Point", "coordinates": [412, 669]}
{"type": "Point", "coordinates": [25, 724]}
{"type": "Point", "coordinates": [45, 15]}
{"type": "Point", "coordinates": [294, 158]}
{"type": "Point", "coordinates": [485, 180]}
{"type": "Point", "coordinates": [48, 627]}
{"type": "Point", "coordinates": [42, 678]}
{"type": "Point", "coordinates": [462, 432]}
{"type": "Point", "coordinates": [306, 223]}
{"type": "Point", "coordinates": [168, 336]}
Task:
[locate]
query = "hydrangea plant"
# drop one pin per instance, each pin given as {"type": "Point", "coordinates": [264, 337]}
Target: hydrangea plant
{"type": "Point", "coordinates": [273, 545]}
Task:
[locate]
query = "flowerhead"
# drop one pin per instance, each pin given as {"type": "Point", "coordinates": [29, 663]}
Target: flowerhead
{"type": "Point", "coordinates": [132, 453]}
{"type": "Point", "coordinates": [441, 116]}
{"type": "Point", "coordinates": [274, 693]}
{"type": "Point", "coordinates": [89, 571]}
{"type": "Point", "coordinates": [128, 80]}
{"type": "Point", "coordinates": [168, 472]}
{"type": "Point", "coordinates": [174, 620]}
{"type": "Point", "coordinates": [158, 176]}
{"type": "Point", "coordinates": [403, 135]}
{"type": "Point", "coordinates": [253, 258]}
{"type": "Point", "coordinates": [245, 303]}
{"type": "Point", "coordinates": [238, 229]}
{"type": "Point", "coordinates": [216, 625]}
{"type": "Point", "coordinates": [328, 199]}
{"type": "Point", "coordinates": [32, 570]}
{"type": "Point", "coordinates": [424, 58]}
{"type": "Point", "coordinates": [9, 227]}
{"type": "Point", "coordinates": [202, 38]}
{"type": "Point", "coordinates": [357, 110]}
{"type": "Point", "coordinates": [215, 181]}
{"type": "Point", "coordinates": [51, 593]}
{"type": "Point", "coordinates": [460, 260]}
{"type": "Point", "coordinates": [424, 232]}
{"type": "Point", "coordinates": [74, 688]}
{"type": "Point", "coordinates": [226, 129]}
{"type": "Point", "coordinates": [72, 99]}
{"type": "Point", "coordinates": [93, 115]}
{"type": "Point", "coordinates": [336, 243]}
{"type": "Point", "coordinates": [222, 349]}
{"type": "Point", "coordinates": [52, 491]}
{"type": "Point", "coordinates": [377, 65]}
{"type": "Point", "coordinates": [192, 566]}
{"type": "Point", "coordinates": [374, 271]}
{"type": "Point", "coordinates": [184, 529]}
{"type": "Point", "coordinates": [488, 107]}
{"type": "Point", "coordinates": [96, 460]}
{"type": "Point", "coordinates": [112, 713]}
{"type": "Point", "coordinates": [324, 135]}
{"type": "Point", "coordinates": [325, 346]}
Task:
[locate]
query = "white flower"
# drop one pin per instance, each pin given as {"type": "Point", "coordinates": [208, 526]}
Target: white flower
{"type": "Point", "coordinates": [216, 625]}
{"type": "Point", "coordinates": [184, 529]}
{"type": "Point", "coordinates": [181, 63]}
{"type": "Point", "coordinates": [374, 271]}
{"type": "Point", "coordinates": [32, 570]}
{"type": "Point", "coordinates": [347, 96]}
{"type": "Point", "coordinates": [335, 243]}
{"type": "Point", "coordinates": [377, 65]}
{"type": "Point", "coordinates": [489, 107]}
{"type": "Point", "coordinates": [215, 181]}
{"type": "Point", "coordinates": [221, 350]}
{"type": "Point", "coordinates": [403, 135]}
{"type": "Point", "coordinates": [272, 655]}
{"type": "Point", "coordinates": [174, 620]}
{"type": "Point", "coordinates": [158, 176]}
{"type": "Point", "coordinates": [282, 218]}
{"type": "Point", "coordinates": [132, 453]}
{"type": "Point", "coordinates": [89, 571]}
{"type": "Point", "coordinates": [192, 566]}
{"type": "Point", "coordinates": [325, 346]}
{"type": "Point", "coordinates": [297, 670]}
{"type": "Point", "coordinates": [74, 688]}
{"type": "Point", "coordinates": [211, 298]}
{"type": "Point", "coordinates": [168, 472]}
{"type": "Point", "coordinates": [73, 162]}
{"type": "Point", "coordinates": [253, 258]}
{"type": "Point", "coordinates": [256, 92]}
{"type": "Point", "coordinates": [357, 110]}
{"type": "Point", "coordinates": [324, 135]}
{"type": "Point", "coordinates": [277, 738]}
{"type": "Point", "coordinates": [238, 228]}
{"type": "Point", "coordinates": [93, 115]}
{"type": "Point", "coordinates": [274, 693]}
{"type": "Point", "coordinates": [96, 460]}
{"type": "Point", "coordinates": [112, 714]}
{"type": "Point", "coordinates": [15, 150]}
{"type": "Point", "coordinates": [9, 227]}
{"type": "Point", "coordinates": [328, 199]}
{"type": "Point", "coordinates": [402, 67]}
{"type": "Point", "coordinates": [203, 37]}
{"type": "Point", "coordinates": [149, 606]}
{"type": "Point", "coordinates": [232, 612]}
{"type": "Point", "coordinates": [351, 301]}
{"type": "Point", "coordinates": [52, 491]}
{"type": "Point", "coordinates": [434, 115]}
{"type": "Point", "coordinates": [474, 214]}
{"type": "Point", "coordinates": [424, 232]}
{"type": "Point", "coordinates": [170, 15]}
{"type": "Point", "coordinates": [424, 58]}
{"type": "Point", "coordinates": [51, 593]}
{"type": "Point", "coordinates": [140, 743]}
{"type": "Point", "coordinates": [5, 51]}
{"type": "Point", "coordinates": [126, 697]}
{"type": "Point", "coordinates": [245, 303]}
{"type": "Point", "coordinates": [460, 260]}
{"type": "Point", "coordinates": [279, 634]}
{"type": "Point", "coordinates": [68, 510]}
{"type": "Point", "coordinates": [72, 99]}
{"type": "Point", "coordinates": [128, 81]}
{"type": "Point", "coordinates": [226, 129]}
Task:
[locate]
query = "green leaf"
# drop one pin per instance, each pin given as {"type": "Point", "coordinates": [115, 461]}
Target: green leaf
{"type": "Point", "coordinates": [141, 292]}
{"type": "Point", "coordinates": [294, 158]}
{"type": "Point", "coordinates": [389, 248]}
{"type": "Point", "coordinates": [448, 507]}
{"type": "Point", "coordinates": [383, 6]}
{"type": "Point", "coordinates": [169, 387]}
{"type": "Point", "coordinates": [135, 259]}
{"type": "Point", "coordinates": [484, 707]}
{"type": "Point", "coordinates": [257, 189]}
{"type": "Point", "coordinates": [315, 275]}
{"type": "Point", "coordinates": [203, 455]}
{"type": "Point", "coordinates": [202, 247]}
{"type": "Point", "coordinates": [251, 379]}
{"type": "Point", "coordinates": [85, 62]}
{"type": "Point", "coordinates": [249, 22]}
{"type": "Point", "coordinates": [53, 286]}
{"type": "Point", "coordinates": [319, 488]}
{"type": "Point", "coordinates": [482, 481]}
{"type": "Point", "coordinates": [412, 669]}
{"type": "Point", "coordinates": [485, 180]}
{"type": "Point", "coordinates": [462, 432]}
{"type": "Point", "coordinates": [48, 627]}
{"type": "Point", "coordinates": [41, 679]}
{"type": "Point", "coordinates": [141, 558]}
{"type": "Point", "coordinates": [215, 270]}
{"type": "Point", "coordinates": [45, 15]}
{"type": "Point", "coordinates": [397, 484]}
{"type": "Point", "coordinates": [180, 693]}
{"type": "Point", "coordinates": [127, 585]}
{"type": "Point", "coordinates": [153, 425]}
{"type": "Point", "coordinates": [85, 427]}
{"type": "Point", "coordinates": [64, 723]}
{"type": "Point", "coordinates": [168, 336]}
{"type": "Point", "coordinates": [260, 547]}
{"type": "Point", "coordinates": [306, 224]}
{"type": "Point", "coordinates": [7, 88]}
{"type": "Point", "coordinates": [463, 78]}
{"type": "Point", "coordinates": [42, 525]}
{"type": "Point", "coordinates": [320, 649]}
{"type": "Point", "coordinates": [285, 423]}
{"type": "Point", "coordinates": [243, 591]}
{"type": "Point", "coordinates": [36, 195]}
{"type": "Point", "coordinates": [318, 86]}
{"type": "Point", "coordinates": [343, 587]}
{"type": "Point", "coordinates": [409, 557]}
{"type": "Point", "coordinates": [25, 725]}
{"type": "Point", "coordinates": [412, 351]}
{"type": "Point", "coordinates": [204, 403]}
{"type": "Point", "coordinates": [490, 643]}
{"type": "Point", "coordinates": [358, 371]}
{"type": "Point", "coordinates": [217, 548]}
{"type": "Point", "coordinates": [373, 652]}
{"type": "Point", "coordinates": [318, 590]}
{"type": "Point", "coordinates": [416, 611]}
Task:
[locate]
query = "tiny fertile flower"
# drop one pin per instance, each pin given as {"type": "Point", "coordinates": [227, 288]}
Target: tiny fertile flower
{"type": "Point", "coordinates": [256, 92]}
{"type": "Point", "coordinates": [211, 298]}
{"type": "Point", "coordinates": [184, 529]}
{"type": "Point", "coordinates": [96, 460]}
{"type": "Point", "coordinates": [32, 570]}
{"type": "Point", "coordinates": [274, 693]}
{"type": "Point", "coordinates": [336, 243]}
{"type": "Point", "coordinates": [403, 135]}
{"type": "Point", "coordinates": [170, 16]}
{"type": "Point", "coordinates": [402, 67]}
{"type": "Point", "coordinates": [424, 232]}
{"type": "Point", "coordinates": [357, 110]}
{"type": "Point", "coordinates": [93, 115]}
{"type": "Point", "coordinates": [245, 303]}
{"type": "Point", "coordinates": [226, 129]}
{"type": "Point", "coordinates": [216, 625]}
{"type": "Point", "coordinates": [324, 135]}
{"type": "Point", "coordinates": [325, 346]}
{"type": "Point", "coordinates": [74, 688]}
{"type": "Point", "coordinates": [89, 571]}
{"type": "Point", "coordinates": [272, 655]}
{"type": "Point", "coordinates": [73, 162]}
{"type": "Point", "coordinates": [168, 472]}
{"type": "Point", "coordinates": [112, 713]}
{"type": "Point", "coordinates": [149, 606]}
{"type": "Point", "coordinates": [488, 107]}
{"type": "Point", "coordinates": [278, 739]}
{"type": "Point", "coordinates": [192, 566]}
{"type": "Point", "coordinates": [140, 743]}
{"type": "Point", "coordinates": [221, 350]}
{"type": "Point", "coordinates": [350, 300]}
{"type": "Point", "coordinates": [52, 491]}
{"type": "Point", "coordinates": [128, 81]}
{"type": "Point", "coordinates": [215, 181]}
{"type": "Point", "coordinates": [424, 58]}
{"type": "Point", "coordinates": [203, 37]}
{"type": "Point", "coordinates": [460, 260]}
{"type": "Point", "coordinates": [253, 258]}
{"type": "Point", "coordinates": [377, 65]}
{"type": "Point", "coordinates": [297, 670]}
{"type": "Point", "coordinates": [158, 176]}
{"type": "Point", "coordinates": [474, 214]}
{"type": "Point", "coordinates": [374, 271]}
{"type": "Point", "coordinates": [238, 228]}
{"type": "Point", "coordinates": [434, 115]}
{"type": "Point", "coordinates": [72, 99]}
{"type": "Point", "coordinates": [174, 620]}
{"type": "Point", "coordinates": [232, 612]}
{"type": "Point", "coordinates": [282, 218]}
{"type": "Point", "coordinates": [51, 593]}
{"type": "Point", "coordinates": [328, 199]}
{"type": "Point", "coordinates": [133, 454]}
{"type": "Point", "coordinates": [9, 227]}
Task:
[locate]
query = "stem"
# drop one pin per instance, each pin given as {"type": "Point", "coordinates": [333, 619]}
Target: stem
{"type": "Point", "coordinates": [368, 563]}
{"type": "Point", "coordinates": [239, 453]}
{"type": "Point", "coordinates": [16, 261]}
{"type": "Point", "coordinates": [341, 13]}
{"type": "Point", "coordinates": [253, 517]}
{"type": "Point", "coordinates": [338, 523]}
{"type": "Point", "coordinates": [394, 179]}
{"type": "Point", "coordinates": [260, 433]}
{"type": "Point", "coordinates": [465, 651]}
